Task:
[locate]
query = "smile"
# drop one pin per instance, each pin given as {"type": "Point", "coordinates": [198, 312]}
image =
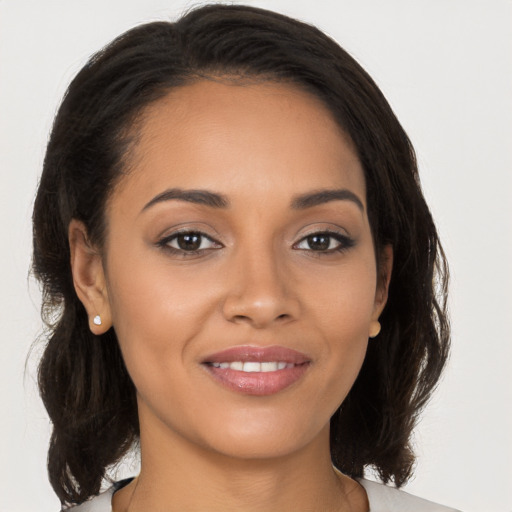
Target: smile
{"type": "Point", "coordinates": [258, 371]}
{"type": "Point", "coordinates": [254, 366]}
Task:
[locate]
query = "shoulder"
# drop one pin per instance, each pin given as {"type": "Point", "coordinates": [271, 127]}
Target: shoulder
{"type": "Point", "coordinates": [102, 502]}
{"type": "Point", "coordinates": [383, 498]}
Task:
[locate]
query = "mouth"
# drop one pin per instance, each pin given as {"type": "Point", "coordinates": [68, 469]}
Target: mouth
{"type": "Point", "coordinates": [253, 366]}
{"type": "Point", "coordinates": [258, 371]}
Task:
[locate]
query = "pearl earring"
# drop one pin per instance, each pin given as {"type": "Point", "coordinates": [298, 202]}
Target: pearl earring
{"type": "Point", "coordinates": [97, 320]}
{"type": "Point", "coordinates": [374, 329]}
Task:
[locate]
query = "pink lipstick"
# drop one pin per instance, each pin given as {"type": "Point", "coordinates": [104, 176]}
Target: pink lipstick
{"type": "Point", "coordinates": [257, 371]}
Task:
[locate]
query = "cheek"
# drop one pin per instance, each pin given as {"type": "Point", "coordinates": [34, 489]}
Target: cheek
{"type": "Point", "coordinates": [156, 311]}
{"type": "Point", "coordinates": [341, 310]}
{"type": "Point", "coordinates": [343, 300]}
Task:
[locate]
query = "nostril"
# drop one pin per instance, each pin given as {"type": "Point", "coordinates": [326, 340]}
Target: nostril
{"type": "Point", "coordinates": [259, 311]}
{"type": "Point", "coordinates": [240, 317]}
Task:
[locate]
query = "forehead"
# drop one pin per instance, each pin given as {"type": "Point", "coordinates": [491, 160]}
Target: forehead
{"type": "Point", "coordinates": [241, 140]}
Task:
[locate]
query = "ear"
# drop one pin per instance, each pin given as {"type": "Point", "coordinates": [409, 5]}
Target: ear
{"type": "Point", "coordinates": [89, 278]}
{"type": "Point", "coordinates": [381, 292]}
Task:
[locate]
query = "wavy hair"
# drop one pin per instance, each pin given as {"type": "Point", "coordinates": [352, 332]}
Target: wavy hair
{"type": "Point", "coordinates": [82, 378]}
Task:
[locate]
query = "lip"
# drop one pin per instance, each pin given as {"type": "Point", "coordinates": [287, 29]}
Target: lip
{"type": "Point", "coordinates": [249, 353]}
{"type": "Point", "coordinates": [257, 383]}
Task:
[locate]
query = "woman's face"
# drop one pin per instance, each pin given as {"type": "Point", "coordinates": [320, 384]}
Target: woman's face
{"type": "Point", "coordinates": [240, 268]}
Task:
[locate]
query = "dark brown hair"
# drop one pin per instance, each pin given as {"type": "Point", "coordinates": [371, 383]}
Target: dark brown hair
{"type": "Point", "coordinates": [82, 378]}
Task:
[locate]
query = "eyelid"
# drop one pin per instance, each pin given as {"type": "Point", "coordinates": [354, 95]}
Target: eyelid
{"type": "Point", "coordinates": [321, 227]}
{"type": "Point", "coordinates": [164, 241]}
{"type": "Point", "coordinates": [345, 241]}
{"type": "Point", "coordinates": [203, 228]}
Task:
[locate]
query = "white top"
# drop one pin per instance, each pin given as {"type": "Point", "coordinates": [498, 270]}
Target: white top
{"type": "Point", "coordinates": [381, 498]}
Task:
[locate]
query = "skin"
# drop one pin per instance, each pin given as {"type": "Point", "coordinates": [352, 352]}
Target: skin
{"type": "Point", "coordinates": [258, 281]}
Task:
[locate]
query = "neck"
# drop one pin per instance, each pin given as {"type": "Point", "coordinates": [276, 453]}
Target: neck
{"type": "Point", "coordinates": [180, 476]}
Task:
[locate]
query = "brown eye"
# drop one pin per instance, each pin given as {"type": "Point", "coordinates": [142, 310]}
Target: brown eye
{"type": "Point", "coordinates": [325, 242]}
{"type": "Point", "coordinates": [189, 242]}
{"type": "Point", "coordinates": [320, 242]}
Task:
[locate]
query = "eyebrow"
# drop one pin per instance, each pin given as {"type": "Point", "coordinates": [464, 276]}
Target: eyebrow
{"type": "Point", "coordinates": [203, 197]}
{"type": "Point", "coordinates": [325, 196]}
{"type": "Point", "coordinates": [215, 200]}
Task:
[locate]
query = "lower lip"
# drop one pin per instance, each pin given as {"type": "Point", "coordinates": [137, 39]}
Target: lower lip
{"type": "Point", "coordinates": [258, 383]}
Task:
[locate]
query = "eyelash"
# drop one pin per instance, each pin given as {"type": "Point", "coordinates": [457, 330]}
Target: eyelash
{"type": "Point", "coordinates": [344, 243]}
{"type": "Point", "coordinates": [164, 243]}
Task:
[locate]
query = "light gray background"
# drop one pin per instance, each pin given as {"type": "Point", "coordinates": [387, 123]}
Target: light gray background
{"type": "Point", "coordinates": [446, 68]}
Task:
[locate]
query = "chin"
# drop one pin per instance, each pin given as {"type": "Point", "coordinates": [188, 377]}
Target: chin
{"type": "Point", "coordinates": [251, 437]}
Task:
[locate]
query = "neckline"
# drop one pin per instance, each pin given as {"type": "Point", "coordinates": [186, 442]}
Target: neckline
{"type": "Point", "coordinates": [117, 486]}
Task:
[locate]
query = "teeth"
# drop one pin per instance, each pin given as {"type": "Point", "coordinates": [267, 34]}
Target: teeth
{"type": "Point", "coordinates": [269, 367]}
{"type": "Point", "coordinates": [253, 366]}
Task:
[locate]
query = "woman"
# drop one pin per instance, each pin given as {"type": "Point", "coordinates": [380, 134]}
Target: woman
{"type": "Point", "coordinates": [228, 212]}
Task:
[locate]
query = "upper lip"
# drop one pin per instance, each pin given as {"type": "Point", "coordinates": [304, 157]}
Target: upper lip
{"type": "Point", "coordinates": [248, 353]}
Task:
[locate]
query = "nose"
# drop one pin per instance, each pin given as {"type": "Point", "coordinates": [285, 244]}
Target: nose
{"type": "Point", "coordinates": [260, 291]}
